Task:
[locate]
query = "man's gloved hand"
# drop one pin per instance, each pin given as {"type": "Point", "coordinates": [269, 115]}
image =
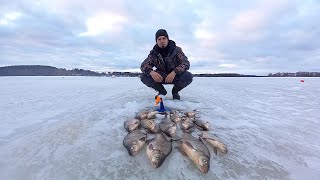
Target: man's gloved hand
{"type": "Point", "coordinates": [156, 76]}
{"type": "Point", "coordinates": [170, 77]}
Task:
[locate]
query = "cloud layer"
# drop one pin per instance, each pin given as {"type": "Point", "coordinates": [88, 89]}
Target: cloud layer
{"type": "Point", "coordinates": [247, 37]}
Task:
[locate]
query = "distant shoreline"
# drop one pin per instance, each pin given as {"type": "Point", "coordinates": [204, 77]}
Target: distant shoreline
{"type": "Point", "coordinates": [41, 70]}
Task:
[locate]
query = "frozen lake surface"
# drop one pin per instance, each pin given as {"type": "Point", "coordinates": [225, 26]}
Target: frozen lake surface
{"type": "Point", "coordinates": [72, 128]}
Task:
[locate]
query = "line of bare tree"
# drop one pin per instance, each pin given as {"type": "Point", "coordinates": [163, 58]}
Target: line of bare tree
{"type": "Point", "coordinates": [297, 74]}
{"type": "Point", "coordinates": [41, 70]}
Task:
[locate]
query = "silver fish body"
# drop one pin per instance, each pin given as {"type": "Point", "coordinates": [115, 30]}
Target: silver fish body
{"type": "Point", "coordinates": [187, 125]}
{"type": "Point", "coordinates": [146, 114]}
{"type": "Point", "coordinates": [158, 149]}
{"type": "Point", "coordinates": [214, 142]}
{"type": "Point", "coordinates": [150, 125]}
{"type": "Point", "coordinates": [202, 125]}
{"type": "Point", "coordinates": [168, 127]}
{"type": "Point", "coordinates": [134, 142]}
{"type": "Point", "coordinates": [191, 114]}
{"type": "Point", "coordinates": [195, 150]}
{"type": "Point", "coordinates": [132, 124]}
{"type": "Point", "coordinates": [175, 117]}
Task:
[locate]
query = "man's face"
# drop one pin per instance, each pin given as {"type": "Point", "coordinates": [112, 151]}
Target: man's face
{"type": "Point", "coordinates": [162, 41]}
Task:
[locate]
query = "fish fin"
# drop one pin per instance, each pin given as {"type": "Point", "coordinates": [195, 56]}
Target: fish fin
{"type": "Point", "coordinates": [189, 145]}
{"type": "Point", "coordinates": [211, 138]}
{"type": "Point", "coordinates": [190, 130]}
{"type": "Point", "coordinates": [183, 153]}
{"type": "Point", "coordinates": [150, 146]}
{"type": "Point", "coordinates": [205, 135]}
{"type": "Point", "coordinates": [200, 139]}
{"type": "Point", "coordinates": [198, 127]}
{"type": "Point", "coordinates": [201, 135]}
{"type": "Point", "coordinates": [149, 140]}
{"type": "Point", "coordinates": [176, 138]}
{"type": "Point", "coordinates": [143, 139]}
{"type": "Point", "coordinates": [164, 130]}
{"type": "Point", "coordinates": [215, 150]}
{"type": "Point", "coordinates": [166, 136]}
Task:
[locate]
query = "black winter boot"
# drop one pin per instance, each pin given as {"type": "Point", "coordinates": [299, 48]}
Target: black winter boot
{"type": "Point", "coordinates": [175, 93]}
{"type": "Point", "coordinates": [160, 89]}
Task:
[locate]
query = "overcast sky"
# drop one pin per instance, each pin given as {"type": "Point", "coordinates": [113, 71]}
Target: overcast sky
{"type": "Point", "coordinates": [246, 37]}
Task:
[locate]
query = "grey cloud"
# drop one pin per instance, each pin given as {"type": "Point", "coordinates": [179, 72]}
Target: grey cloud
{"type": "Point", "coordinates": [287, 41]}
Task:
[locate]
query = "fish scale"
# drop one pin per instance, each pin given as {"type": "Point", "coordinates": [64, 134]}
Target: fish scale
{"type": "Point", "coordinates": [158, 147]}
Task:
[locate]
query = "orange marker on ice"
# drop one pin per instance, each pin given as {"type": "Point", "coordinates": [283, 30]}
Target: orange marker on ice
{"type": "Point", "coordinates": [162, 108]}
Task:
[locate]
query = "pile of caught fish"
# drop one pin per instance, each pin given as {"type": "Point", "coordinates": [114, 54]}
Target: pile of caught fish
{"type": "Point", "coordinates": [166, 127]}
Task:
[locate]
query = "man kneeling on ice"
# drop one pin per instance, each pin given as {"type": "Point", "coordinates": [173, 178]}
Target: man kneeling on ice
{"type": "Point", "coordinates": [171, 66]}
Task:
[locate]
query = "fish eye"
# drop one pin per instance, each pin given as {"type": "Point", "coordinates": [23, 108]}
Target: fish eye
{"type": "Point", "coordinates": [132, 148]}
{"type": "Point", "coordinates": [205, 161]}
{"type": "Point", "coordinates": [157, 157]}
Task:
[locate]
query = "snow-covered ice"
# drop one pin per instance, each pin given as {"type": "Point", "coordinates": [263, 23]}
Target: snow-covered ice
{"type": "Point", "coordinates": [72, 128]}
